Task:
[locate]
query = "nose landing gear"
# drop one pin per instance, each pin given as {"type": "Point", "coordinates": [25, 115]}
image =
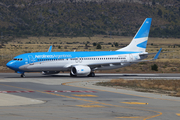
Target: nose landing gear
{"type": "Point", "coordinates": [22, 73]}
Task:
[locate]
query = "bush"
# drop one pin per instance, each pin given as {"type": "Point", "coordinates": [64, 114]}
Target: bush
{"type": "Point", "coordinates": [98, 46]}
{"type": "Point", "coordinates": [154, 67]}
{"type": "Point", "coordinates": [94, 44]}
{"type": "Point", "coordinates": [116, 44]}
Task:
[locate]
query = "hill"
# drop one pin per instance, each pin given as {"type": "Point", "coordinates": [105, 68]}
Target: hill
{"type": "Point", "coordinates": [72, 18]}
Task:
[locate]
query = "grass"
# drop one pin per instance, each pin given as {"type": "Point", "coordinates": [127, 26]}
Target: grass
{"type": "Point", "coordinates": [170, 87]}
{"type": "Point", "coordinates": [39, 44]}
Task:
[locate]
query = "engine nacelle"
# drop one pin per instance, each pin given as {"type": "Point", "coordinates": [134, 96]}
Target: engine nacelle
{"type": "Point", "coordinates": [80, 70]}
{"type": "Point", "coordinates": [50, 72]}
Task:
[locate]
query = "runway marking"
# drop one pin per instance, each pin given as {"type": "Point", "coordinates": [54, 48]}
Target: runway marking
{"type": "Point", "coordinates": [178, 114]}
{"type": "Point", "coordinates": [90, 106]}
{"type": "Point", "coordinates": [78, 91]}
{"type": "Point", "coordinates": [135, 103]}
{"type": "Point", "coordinates": [84, 95]}
{"type": "Point", "coordinates": [55, 91]}
{"type": "Point", "coordinates": [93, 102]}
{"type": "Point", "coordinates": [17, 91]}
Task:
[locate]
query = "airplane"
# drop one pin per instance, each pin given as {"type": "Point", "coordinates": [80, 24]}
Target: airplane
{"type": "Point", "coordinates": [84, 63]}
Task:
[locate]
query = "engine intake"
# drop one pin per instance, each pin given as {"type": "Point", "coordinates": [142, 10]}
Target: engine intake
{"type": "Point", "coordinates": [80, 70]}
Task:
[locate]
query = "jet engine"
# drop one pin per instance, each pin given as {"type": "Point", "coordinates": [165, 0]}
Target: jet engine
{"type": "Point", "coordinates": [50, 72]}
{"type": "Point", "coordinates": [80, 70]}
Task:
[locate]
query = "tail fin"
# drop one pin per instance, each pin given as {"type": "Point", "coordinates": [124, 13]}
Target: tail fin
{"type": "Point", "coordinates": [139, 41]}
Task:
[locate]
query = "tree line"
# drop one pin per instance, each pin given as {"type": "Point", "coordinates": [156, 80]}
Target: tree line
{"type": "Point", "coordinates": [76, 19]}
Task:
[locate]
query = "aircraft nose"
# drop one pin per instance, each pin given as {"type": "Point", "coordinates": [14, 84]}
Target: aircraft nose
{"type": "Point", "coordinates": [10, 64]}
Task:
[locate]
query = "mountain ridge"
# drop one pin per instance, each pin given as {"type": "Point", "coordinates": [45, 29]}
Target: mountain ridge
{"type": "Point", "coordinates": [72, 18]}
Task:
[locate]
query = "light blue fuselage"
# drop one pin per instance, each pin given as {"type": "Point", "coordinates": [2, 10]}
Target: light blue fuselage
{"type": "Point", "coordinates": [62, 61]}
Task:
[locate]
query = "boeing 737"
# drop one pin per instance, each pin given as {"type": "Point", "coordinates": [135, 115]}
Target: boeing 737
{"type": "Point", "coordinates": [85, 63]}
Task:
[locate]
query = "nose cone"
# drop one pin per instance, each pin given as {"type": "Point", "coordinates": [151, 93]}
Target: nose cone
{"type": "Point", "coordinates": [10, 65]}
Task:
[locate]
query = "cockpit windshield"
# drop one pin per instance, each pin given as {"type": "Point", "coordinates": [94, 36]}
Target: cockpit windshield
{"type": "Point", "coordinates": [18, 59]}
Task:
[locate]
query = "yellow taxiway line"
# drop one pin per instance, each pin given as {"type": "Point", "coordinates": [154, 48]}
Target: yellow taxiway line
{"type": "Point", "coordinates": [135, 103]}
{"type": "Point", "coordinates": [84, 95]}
{"type": "Point", "coordinates": [129, 117]}
{"type": "Point", "coordinates": [90, 106]}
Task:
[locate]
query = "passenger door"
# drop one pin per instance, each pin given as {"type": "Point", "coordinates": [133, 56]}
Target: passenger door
{"type": "Point", "coordinates": [31, 60]}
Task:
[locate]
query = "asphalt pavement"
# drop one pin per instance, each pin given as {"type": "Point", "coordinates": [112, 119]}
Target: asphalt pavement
{"type": "Point", "coordinates": [54, 97]}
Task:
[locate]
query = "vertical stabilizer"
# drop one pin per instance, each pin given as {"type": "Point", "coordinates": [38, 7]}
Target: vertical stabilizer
{"type": "Point", "coordinates": [139, 41]}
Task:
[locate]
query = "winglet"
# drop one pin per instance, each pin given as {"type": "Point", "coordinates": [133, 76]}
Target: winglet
{"type": "Point", "coordinates": [157, 55]}
{"type": "Point", "coordinates": [50, 48]}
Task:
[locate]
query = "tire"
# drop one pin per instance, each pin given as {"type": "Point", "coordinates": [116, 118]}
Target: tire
{"type": "Point", "coordinates": [92, 74]}
{"type": "Point", "coordinates": [72, 75]}
{"type": "Point", "coordinates": [23, 76]}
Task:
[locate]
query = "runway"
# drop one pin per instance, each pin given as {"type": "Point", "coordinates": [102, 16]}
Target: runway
{"type": "Point", "coordinates": [98, 75]}
{"type": "Point", "coordinates": [66, 98]}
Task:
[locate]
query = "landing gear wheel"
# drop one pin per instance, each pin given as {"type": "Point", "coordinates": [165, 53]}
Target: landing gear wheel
{"type": "Point", "coordinates": [92, 74]}
{"type": "Point", "coordinates": [72, 75]}
{"type": "Point", "coordinates": [23, 76]}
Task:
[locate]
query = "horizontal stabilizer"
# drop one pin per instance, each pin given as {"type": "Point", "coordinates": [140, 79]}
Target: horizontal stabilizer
{"type": "Point", "coordinates": [157, 55]}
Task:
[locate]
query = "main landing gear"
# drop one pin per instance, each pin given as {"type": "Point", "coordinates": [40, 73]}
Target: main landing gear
{"type": "Point", "coordinates": [92, 74]}
{"type": "Point", "coordinates": [72, 75]}
{"type": "Point", "coordinates": [23, 76]}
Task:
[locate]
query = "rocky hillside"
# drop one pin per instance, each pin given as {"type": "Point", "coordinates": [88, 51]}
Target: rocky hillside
{"type": "Point", "coordinates": [19, 18]}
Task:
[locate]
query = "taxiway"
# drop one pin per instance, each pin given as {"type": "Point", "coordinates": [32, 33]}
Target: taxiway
{"type": "Point", "coordinates": [63, 97]}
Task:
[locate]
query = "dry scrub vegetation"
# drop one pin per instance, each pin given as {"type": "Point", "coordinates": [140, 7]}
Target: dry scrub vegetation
{"type": "Point", "coordinates": [169, 87]}
{"type": "Point", "coordinates": [167, 62]}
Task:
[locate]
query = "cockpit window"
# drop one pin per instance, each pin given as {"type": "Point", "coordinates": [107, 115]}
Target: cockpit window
{"type": "Point", "coordinates": [18, 59]}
